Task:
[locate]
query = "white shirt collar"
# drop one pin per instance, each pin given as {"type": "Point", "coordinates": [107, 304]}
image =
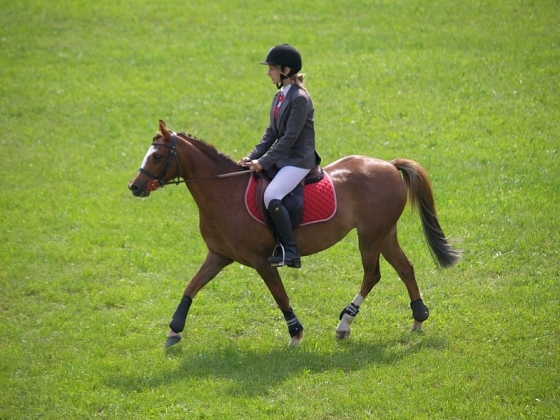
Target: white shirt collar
{"type": "Point", "coordinates": [286, 89]}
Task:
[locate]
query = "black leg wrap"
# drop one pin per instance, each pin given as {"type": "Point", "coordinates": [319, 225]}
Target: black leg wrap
{"type": "Point", "coordinates": [294, 326]}
{"type": "Point", "coordinates": [420, 311]}
{"type": "Point", "coordinates": [177, 323]}
{"type": "Point", "coordinates": [351, 310]}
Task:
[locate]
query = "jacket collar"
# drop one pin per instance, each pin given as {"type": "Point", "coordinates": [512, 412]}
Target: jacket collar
{"type": "Point", "coordinates": [288, 96]}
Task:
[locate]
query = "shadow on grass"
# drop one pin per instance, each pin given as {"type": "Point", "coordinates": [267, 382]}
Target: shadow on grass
{"type": "Point", "coordinates": [250, 372]}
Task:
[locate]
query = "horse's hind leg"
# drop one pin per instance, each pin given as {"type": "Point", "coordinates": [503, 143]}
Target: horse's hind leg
{"type": "Point", "coordinates": [372, 275]}
{"type": "Point", "coordinates": [395, 256]}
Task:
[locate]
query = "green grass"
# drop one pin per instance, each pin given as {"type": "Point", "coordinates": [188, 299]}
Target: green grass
{"type": "Point", "coordinates": [90, 276]}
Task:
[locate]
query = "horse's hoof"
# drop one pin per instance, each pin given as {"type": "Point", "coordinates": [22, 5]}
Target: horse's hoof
{"type": "Point", "coordinates": [417, 327]}
{"type": "Point", "coordinates": [172, 338]}
{"type": "Point", "coordinates": [295, 341]}
{"type": "Point", "coordinates": [342, 335]}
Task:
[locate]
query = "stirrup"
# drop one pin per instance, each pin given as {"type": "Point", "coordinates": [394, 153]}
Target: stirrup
{"type": "Point", "coordinates": [278, 258]}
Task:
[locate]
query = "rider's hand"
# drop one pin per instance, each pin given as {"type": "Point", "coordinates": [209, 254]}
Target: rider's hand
{"type": "Point", "coordinates": [245, 162]}
{"type": "Point", "coordinates": [255, 166]}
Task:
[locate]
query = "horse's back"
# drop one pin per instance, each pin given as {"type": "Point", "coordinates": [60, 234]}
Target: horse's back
{"type": "Point", "coordinates": [368, 186]}
{"type": "Point", "coordinates": [366, 172]}
{"type": "Point", "coordinates": [358, 160]}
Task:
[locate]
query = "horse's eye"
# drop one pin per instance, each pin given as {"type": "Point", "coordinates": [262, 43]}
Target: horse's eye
{"type": "Point", "coordinates": [157, 157]}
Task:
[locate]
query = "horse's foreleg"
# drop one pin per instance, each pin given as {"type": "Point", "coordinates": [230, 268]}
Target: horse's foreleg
{"type": "Point", "coordinates": [395, 256]}
{"type": "Point", "coordinates": [372, 275]}
{"type": "Point", "coordinates": [276, 287]}
{"type": "Point", "coordinates": [213, 264]}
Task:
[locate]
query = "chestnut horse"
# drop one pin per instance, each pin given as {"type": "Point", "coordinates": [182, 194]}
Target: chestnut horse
{"type": "Point", "coordinates": [371, 195]}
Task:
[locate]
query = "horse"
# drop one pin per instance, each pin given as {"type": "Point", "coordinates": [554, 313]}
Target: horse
{"type": "Point", "coordinates": [371, 195]}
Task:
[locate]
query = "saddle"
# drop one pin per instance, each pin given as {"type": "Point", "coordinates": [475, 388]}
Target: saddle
{"type": "Point", "coordinates": [312, 201]}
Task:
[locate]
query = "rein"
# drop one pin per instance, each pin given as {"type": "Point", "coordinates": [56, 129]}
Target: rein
{"type": "Point", "coordinates": [211, 177]}
{"type": "Point", "coordinates": [156, 182]}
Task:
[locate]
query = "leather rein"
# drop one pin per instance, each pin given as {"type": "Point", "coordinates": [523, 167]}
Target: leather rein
{"type": "Point", "coordinates": [156, 182]}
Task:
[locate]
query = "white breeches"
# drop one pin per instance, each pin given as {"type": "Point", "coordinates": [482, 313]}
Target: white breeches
{"type": "Point", "coordinates": [283, 183]}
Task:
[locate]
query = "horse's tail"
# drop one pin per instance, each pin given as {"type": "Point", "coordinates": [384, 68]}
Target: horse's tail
{"type": "Point", "coordinates": [421, 197]}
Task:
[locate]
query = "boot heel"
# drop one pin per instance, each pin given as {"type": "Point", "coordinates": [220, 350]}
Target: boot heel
{"type": "Point", "coordinates": [295, 263]}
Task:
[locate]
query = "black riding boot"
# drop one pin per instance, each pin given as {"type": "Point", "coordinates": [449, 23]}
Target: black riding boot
{"type": "Point", "coordinates": [288, 251]}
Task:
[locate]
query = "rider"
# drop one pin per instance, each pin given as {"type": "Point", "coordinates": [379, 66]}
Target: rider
{"type": "Point", "coordinates": [287, 146]}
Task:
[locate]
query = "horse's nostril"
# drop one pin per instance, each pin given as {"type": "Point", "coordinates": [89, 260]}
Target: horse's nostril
{"type": "Point", "coordinates": [132, 187]}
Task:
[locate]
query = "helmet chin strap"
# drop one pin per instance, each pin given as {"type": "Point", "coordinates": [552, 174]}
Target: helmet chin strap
{"type": "Point", "coordinates": [283, 76]}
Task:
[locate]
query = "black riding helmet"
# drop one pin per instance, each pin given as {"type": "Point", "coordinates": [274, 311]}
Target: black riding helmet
{"type": "Point", "coordinates": [284, 55]}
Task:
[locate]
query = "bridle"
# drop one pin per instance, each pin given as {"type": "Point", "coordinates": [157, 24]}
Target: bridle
{"type": "Point", "coordinates": [156, 182]}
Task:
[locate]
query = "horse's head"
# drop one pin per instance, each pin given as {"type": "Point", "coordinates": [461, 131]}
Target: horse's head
{"type": "Point", "coordinates": [160, 165]}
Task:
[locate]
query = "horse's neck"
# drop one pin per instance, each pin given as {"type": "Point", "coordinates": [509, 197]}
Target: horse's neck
{"type": "Point", "coordinates": [199, 161]}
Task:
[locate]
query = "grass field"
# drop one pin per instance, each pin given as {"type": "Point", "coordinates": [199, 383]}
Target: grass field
{"type": "Point", "coordinates": [90, 276]}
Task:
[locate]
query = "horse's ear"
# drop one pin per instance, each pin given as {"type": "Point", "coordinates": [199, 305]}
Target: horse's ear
{"type": "Point", "coordinates": [163, 129]}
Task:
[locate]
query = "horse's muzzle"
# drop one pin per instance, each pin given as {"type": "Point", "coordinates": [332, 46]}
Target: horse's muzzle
{"type": "Point", "coordinates": [138, 188]}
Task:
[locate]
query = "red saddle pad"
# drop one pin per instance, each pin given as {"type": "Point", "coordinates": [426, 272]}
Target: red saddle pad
{"type": "Point", "coordinates": [319, 201]}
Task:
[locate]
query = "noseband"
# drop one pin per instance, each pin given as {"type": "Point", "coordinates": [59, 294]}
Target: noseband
{"type": "Point", "coordinates": [156, 182]}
